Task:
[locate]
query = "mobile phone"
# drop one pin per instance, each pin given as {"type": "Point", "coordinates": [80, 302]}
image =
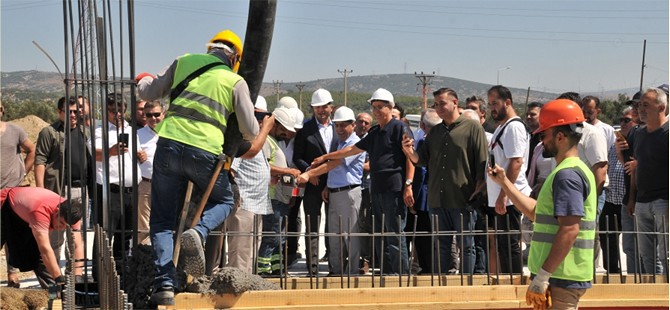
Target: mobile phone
{"type": "Point", "coordinates": [619, 135]}
{"type": "Point", "coordinates": [123, 139]}
{"type": "Point", "coordinates": [261, 115]}
{"type": "Point", "coordinates": [492, 162]}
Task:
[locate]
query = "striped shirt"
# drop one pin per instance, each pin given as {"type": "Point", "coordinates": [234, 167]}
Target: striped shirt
{"type": "Point", "coordinates": [253, 178]}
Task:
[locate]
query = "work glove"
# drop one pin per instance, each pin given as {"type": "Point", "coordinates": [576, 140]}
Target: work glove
{"type": "Point", "coordinates": [56, 289]}
{"type": "Point", "coordinates": [538, 294]}
{"type": "Point", "coordinates": [143, 75]}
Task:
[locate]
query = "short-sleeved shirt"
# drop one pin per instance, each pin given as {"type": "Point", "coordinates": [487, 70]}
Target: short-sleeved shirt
{"type": "Point", "coordinates": [650, 149]}
{"type": "Point", "coordinates": [350, 171]}
{"type": "Point", "coordinates": [592, 147]}
{"type": "Point", "coordinates": [12, 169]}
{"type": "Point", "coordinates": [387, 160]}
{"type": "Point", "coordinates": [253, 179]}
{"type": "Point", "coordinates": [608, 132]}
{"type": "Point", "coordinates": [148, 138]}
{"type": "Point", "coordinates": [455, 155]}
{"type": "Point", "coordinates": [569, 192]}
{"type": "Point", "coordinates": [276, 158]}
{"type": "Point", "coordinates": [34, 205]}
{"type": "Point", "coordinates": [514, 140]}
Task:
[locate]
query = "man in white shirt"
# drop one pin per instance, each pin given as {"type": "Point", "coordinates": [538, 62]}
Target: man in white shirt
{"type": "Point", "coordinates": [509, 148]}
{"type": "Point", "coordinates": [153, 112]}
{"type": "Point", "coordinates": [118, 183]}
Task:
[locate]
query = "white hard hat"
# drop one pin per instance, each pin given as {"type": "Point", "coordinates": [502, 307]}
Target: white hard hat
{"type": "Point", "coordinates": [287, 102]}
{"type": "Point", "coordinates": [285, 118]}
{"type": "Point", "coordinates": [343, 114]}
{"type": "Point", "coordinates": [298, 116]}
{"type": "Point", "coordinates": [383, 95]}
{"type": "Point", "coordinates": [321, 97]}
{"type": "Point", "coordinates": [261, 103]}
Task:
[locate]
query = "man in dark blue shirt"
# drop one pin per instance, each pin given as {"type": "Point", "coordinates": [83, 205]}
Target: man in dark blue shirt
{"type": "Point", "coordinates": [388, 191]}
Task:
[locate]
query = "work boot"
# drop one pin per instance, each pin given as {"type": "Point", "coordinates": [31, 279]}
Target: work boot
{"type": "Point", "coordinates": [163, 296]}
{"type": "Point", "coordinates": [192, 253]}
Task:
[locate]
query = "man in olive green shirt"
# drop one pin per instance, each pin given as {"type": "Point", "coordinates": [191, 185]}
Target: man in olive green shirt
{"type": "Point", "coordinates": [455, 152]}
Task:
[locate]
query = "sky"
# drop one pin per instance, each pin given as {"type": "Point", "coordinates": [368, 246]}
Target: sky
{"type": "Point", "coordinates": [556, 46]}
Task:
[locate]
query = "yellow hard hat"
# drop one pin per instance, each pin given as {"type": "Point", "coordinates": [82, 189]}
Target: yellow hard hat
{"type": "Point", "coordinates": [229, 37]}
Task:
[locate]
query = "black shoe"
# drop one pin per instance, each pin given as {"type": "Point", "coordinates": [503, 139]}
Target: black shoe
{"type": "Point", "coordinates": [293, 259]}
{"type": "Point", "coordinates": [163, 296]}
{"type": "Point", "coordinates": [324, 258]}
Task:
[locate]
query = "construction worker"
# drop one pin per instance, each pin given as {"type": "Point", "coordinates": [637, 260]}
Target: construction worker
{"type": "Point", "coordinates": [561, 252]}
{"type": "Point", "coordinates": [204, 91]}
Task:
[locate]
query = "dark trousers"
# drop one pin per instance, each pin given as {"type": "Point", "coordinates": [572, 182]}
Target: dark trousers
{"type": "Point", "coordinates": [120, 221]}
{"type": "Point", "coordinates": [421, 245]}
{"type": "Point", "coordinates": [365, 224]}
{"type": "Point", "coordinates": [508, 239]}
{"type": "Point", "coordinates": [311, 203]}
{"type": "Point", "coordinates": [610, 225]}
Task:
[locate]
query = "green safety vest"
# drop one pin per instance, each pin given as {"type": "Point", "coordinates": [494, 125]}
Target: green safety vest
{"type": "Point", "coordinates": [197, 117]}
{"type": "Point", "coordinates": [578, 264]}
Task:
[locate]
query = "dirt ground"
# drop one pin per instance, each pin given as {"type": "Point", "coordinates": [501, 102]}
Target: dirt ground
{"type": "Point", "coordinates": [21, 298]}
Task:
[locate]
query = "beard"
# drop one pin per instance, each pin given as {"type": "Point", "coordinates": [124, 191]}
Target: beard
{"type": "Point", "coordinates": [500, 115]}
{"type": "Point", "coordinates": [549, 152]}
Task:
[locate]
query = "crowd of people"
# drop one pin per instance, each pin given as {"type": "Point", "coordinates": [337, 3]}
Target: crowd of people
{"type": "Point", "coordinates": [565, 178]}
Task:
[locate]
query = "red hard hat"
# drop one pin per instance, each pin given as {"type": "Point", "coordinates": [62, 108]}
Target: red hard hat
{"type": "Point", "coordinates": [559, 112]}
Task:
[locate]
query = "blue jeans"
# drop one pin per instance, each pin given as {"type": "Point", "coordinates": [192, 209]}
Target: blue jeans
{"type": "Point", "coordinates": [449, 221]}
{"type": "Point", "coordinates": [394, 253]}
{"type": "Point", "coordinates": [628, 240]}
{"type": "Point", "coordinates": [175, 164]}
{"type": "Point", "coordinates": [652, 223]}
{"type": "Point", "coordinates": [273, 225]}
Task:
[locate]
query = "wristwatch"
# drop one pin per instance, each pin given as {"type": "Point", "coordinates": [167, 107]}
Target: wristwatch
{"type": "Point", "coordinates": [409, 182]}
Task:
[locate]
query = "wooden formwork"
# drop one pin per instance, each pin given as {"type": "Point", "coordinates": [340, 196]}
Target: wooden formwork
{"type": "Point", "coordinates": [601, 296]}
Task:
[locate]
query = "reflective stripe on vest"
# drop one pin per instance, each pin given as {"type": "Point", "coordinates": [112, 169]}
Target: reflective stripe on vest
{"type": "Point", "coordinates": [198, 115]}
{"type": "Point", "coordinates": [578, 263]}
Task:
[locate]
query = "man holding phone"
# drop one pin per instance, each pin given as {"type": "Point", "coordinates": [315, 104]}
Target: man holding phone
{"type": "Point", "coordinates": [456, 173]}
{"type": "Point", "coordinates": [120, 180]}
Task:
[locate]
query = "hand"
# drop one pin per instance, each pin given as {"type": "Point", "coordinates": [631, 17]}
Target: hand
{"type": "Point", "coordinates": [143, 75]}
{"type": "Point", "coordinates": [501, 204]}
{"type": "Point", "coordinates": [324, 194]}
{"type": "Point", "coordinates": [496, 174]}
{"type": "Point", "coordinates": [538, 294]}
{"type": "Point", "coordinates": [117, 149]}
{"type": "Point", "coordinates": [294, 172]}
{"type": "Point", "coordinates": [302, 179]}
{"type": "Point", "coordinates": [141, 156]}
{"type": "Point", "coordinates": [268, 122]}
{"type": "Point", "coordinates": [318, 161]}
{"type": "Point", "coordinates": [630, 166]}
{"type": "Point", "coordinates": [314, 181]}
{"type": "Point", "coordinates": [408, 196]}
{"type": "Point", "coordinates": [407, 144]}
{"type": "Point", "coordinates": [620, 145]}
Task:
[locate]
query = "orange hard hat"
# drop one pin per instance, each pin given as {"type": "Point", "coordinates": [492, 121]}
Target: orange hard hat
{"type": "Point", "coordinates": [559, 112]}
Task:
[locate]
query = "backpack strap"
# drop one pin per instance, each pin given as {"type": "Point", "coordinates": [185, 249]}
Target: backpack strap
{"type": "Point", "coordinates": [502, 130]}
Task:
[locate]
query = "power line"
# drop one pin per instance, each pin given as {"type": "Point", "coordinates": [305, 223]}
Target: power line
{"type": "Point", "coordinates": [277, 84]}
{"type": "Point", "coordinates": [300, 86]}
{"type": "Point", "coordinates": [424, 81]}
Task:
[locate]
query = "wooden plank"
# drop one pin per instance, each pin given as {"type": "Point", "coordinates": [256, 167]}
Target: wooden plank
{"type": "Point", "coordinates": [451, 297]}
{"type": "Point", "coordinates": [393, 281]}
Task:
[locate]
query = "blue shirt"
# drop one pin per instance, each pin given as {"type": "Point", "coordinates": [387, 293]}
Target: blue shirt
{"type": "Point", "coordinates": [350, 171]}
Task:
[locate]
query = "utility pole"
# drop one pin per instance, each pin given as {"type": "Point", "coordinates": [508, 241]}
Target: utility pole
{"type": "Point", "coordinates": [300, 86]}
{"type": "Point", "coordinates": [424, 81]}
{"type": "Point", "coordinates": [277, 84]}
{"type": "Point", "coordinates": [344, 73]}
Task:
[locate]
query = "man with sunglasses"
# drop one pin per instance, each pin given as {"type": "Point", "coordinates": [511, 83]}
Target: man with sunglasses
{"type": "Point", "coordinates": [153, 113]}
{"type": "Point", "coordinates": [561, 252]}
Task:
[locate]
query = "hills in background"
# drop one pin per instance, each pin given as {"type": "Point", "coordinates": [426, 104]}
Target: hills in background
{"type": "Point", "coordinates": [39, 84]}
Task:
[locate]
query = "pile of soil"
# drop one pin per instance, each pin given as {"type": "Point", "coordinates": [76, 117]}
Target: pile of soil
{"type": "Point", "coordinates": [19, 299]}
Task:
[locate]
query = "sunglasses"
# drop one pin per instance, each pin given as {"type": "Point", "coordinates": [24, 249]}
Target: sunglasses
{"type": "Point", "coordinates": [625, 120]}
{"type": "Point", "coordinates": [150, 115]}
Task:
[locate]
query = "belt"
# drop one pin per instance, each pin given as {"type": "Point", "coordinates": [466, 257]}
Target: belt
{"type": "Point", "coordinates": [146, 179]}
{"type": "Point", "coordinates": [343, 188]}
{"type": "Point", "coordinates": [76, 183]}
{"type": "Point", "coordinates": [117, 189]}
